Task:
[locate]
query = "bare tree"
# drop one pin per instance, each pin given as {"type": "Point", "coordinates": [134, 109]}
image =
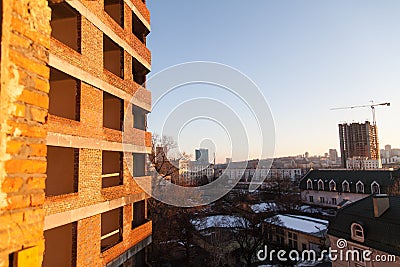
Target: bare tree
{"type": "Point", "coordinates": [394, 189]}
{"type": "Point", "coordinates": [173, 233]}
{"type": "Point", "coordinates": [164, 158]}
{"type": "Point", "coordinates": [248, 236]}
{"type": "Point", "coordinates": [162, 147]}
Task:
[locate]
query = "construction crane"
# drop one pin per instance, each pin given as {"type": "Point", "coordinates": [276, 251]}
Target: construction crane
{"type": "Point", "coordinates": [372, 106]}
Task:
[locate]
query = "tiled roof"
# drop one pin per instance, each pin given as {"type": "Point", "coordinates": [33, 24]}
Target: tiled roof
{"type": "Point", "coordinates": [384, 178]}
{"type": "Point", "coordinates": [381, 233]}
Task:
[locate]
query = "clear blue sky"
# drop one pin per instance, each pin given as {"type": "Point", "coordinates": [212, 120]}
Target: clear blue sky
{"type": "Point", "coordinates": [306, 57]}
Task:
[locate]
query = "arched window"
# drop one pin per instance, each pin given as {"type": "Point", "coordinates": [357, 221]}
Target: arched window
{"type": "Point", "coordinates": [359, 187]}
{"type": "Point", "coordinates": [320, 185]}
{"type": "Point", "coordinates": [346, 186]}
{"type": "Point", "coordinates": [357, 232]}
{"type": "Point", "coordinates": [375, 188]}
{"type": "Point", "coordinates": [332, 185]}
{"type": "Point", "coordinates": [309, 184]}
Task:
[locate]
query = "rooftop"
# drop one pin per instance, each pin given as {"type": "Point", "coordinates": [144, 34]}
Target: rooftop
{"type": "Point", "coordinates": [385, 178]}
{"type": "Point", "coordinates": [381, 233]}
{"type": "Point", "coordinates": [304, 224]}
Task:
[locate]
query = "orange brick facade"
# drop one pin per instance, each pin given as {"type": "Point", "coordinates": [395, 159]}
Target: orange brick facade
{"type": "Point", "coordinates": [28, 131]}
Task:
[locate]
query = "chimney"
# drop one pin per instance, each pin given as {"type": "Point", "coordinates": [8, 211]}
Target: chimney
{"type": "Point", "coordinates": [381, 204]}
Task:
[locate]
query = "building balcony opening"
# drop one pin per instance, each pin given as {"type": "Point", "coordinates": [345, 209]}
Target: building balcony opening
{"type": "Point", "coordinates": [115, 9]}
{"type": "Point", "coordinates": [66, 25]}
{"type": "Point", "coordinates": [139, 72]}
{"type": "Point", "coordinates": [139, 164]}
{"type": "Point", "coordinates": [112, 169]}
{"type": "Point", "coordinates": [64, 95]}
{"type": "Point", "coordinates": [62, 170]}
{"type": "Point", "coordinates": [139, 118]}
{"type": "Point", "coordinates": [111, 228]}
{"type": "Point", "coordinates": [60, 246]}
{"type": "Point", "coordinates": [113, 112]}
{"type": "Point", "coordinates": [139, 29]}
{"type": "Point", "coordinates": [113, 57]}
{"type": "Point", "coordinates": [138, 213]}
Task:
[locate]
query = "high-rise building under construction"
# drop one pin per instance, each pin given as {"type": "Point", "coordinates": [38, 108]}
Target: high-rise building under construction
{"type": "Point", "coordinates": [358, 140]}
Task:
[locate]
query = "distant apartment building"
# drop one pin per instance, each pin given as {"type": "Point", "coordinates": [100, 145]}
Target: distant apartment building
{"type": "Point", "coordinates": [199, 171]}
{"type": "Point", "coordinates": [291, 174]}
{"type": "Point", "coordinates": [361, 163]}
{"type": "Point", "coordinates": [333, 155]}
{"type": "Point", "coordinates": [337, 188]}
{"type": "Point", "coordinates": [370, 228]}
{"type": "Point", "coordinates": [391, 162]}
{"type": "Point", "coordinates": [296, 232]}
{"type": "Point", "coordinates": [390, 152]}
{"type": "Point", "coordinates": [201, 155]}
{"type": "Point", "coordinates": [358, 140]}
{"type": "Point", "coordinates": [72, 71]}
{"type": "Point", "coordinates": [390, 157]}
{"type": "Point", "coordinates": [193, 171]}
{"type": "Point", "coordinates": [246, 172]}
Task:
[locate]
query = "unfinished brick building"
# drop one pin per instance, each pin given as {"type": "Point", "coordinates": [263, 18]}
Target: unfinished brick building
{"type": "Point", "coordinates": [71, 71]}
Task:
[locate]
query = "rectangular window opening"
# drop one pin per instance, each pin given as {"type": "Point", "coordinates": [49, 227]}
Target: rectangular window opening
{"type": "Point", "coordinates": [112, 169]}
{"type": "Point", "coordinates": [139, 29]}
{"type": "Point", "coordinates": [139, 72]}
{"type": "Point", "coordinates": [113, 112]}
{"type": "Point", "coordinates": [62, 170]}
{"type": "Point", "coordinates": [11, 260]}
{"type": "Point", "coordinates": [138, 213]}
{"type": "Point", "coordinates": [61, 246]}
{"type": "Point", "coordinates": [113, 57]}
{"type": "Point", "coordinates": [115, 9]}
{"type": "Point", "coordinates": [139, 164]}
{"type": "Point", "coordinates": [66, 25]}
{"type": "Point", "coordinates": [111, 228]}
{"type": "Point", "coordinates": [139, 118]}
{"type": "Point", "coordinates": [64, 95]}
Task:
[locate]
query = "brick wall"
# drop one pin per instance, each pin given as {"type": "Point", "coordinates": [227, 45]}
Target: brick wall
{"type": "Point", "coordinates": [89, 231]}
{"type": "Point", "coordinates": [26, 127]}
{"type": "Point", "coordinates": [24, 104]}
{"type": "Point", "coordinates": [90, 137]}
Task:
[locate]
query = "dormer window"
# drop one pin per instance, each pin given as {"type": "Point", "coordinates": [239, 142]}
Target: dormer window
{"type": "Point", "coordinates": [346, 186]}
{"type": "Point", "coordinates": [375, 188]}
{"type": "Point", "coordinates": [332, 185]}
{"type": "Point", "coordinates": [360, 187]}
{"type": "Point", "coordinates": [357, 232]}
{"type": "Point", "coordinates": [320, 185]}
{"type": "Point", "coordinates": [309, 185]}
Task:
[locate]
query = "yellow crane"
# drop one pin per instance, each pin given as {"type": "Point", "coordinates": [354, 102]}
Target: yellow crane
{"type": "Point", "coordinates": [372, 106]}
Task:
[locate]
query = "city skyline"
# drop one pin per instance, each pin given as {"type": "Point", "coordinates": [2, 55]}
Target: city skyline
{"type": "Point", "coordinates": [305, 57]}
